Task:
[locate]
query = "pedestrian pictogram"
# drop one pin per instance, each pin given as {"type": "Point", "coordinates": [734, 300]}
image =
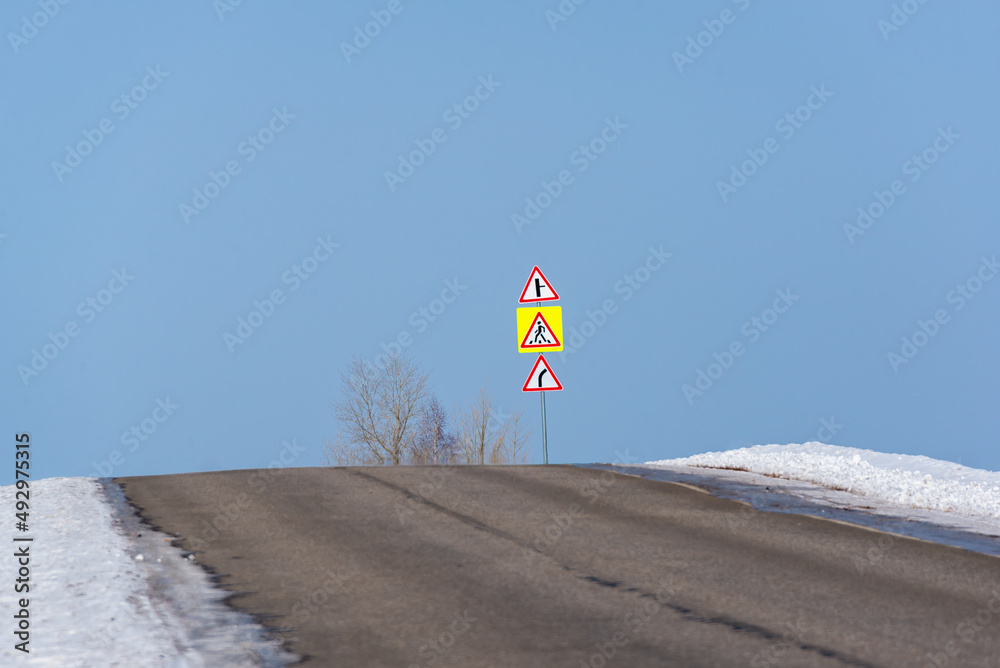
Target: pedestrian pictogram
{"type": "Point", "coordinates": [539, 329]}
{"type": "Point", "coordinates": [538, 289]}
{"type": "Point", "coordinates": [540, 335]}
{"type": "Point", "coordinates": [541, 378]}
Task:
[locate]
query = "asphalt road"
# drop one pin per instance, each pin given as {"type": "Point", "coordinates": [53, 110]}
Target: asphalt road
{"type": "Point", "coordinates": [561, 566]}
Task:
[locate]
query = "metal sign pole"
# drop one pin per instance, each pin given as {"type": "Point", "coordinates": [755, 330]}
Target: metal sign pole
{"type": "Point", "coordinates": [545, 440]}
{"type": "Point", "coordinates": [545, 445]}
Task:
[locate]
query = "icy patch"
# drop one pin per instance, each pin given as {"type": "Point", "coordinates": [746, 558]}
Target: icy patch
{"type": "Point", "coordinates": [102, 595]}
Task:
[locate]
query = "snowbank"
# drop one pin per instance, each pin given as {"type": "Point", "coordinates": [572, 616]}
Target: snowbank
{"type": "Point", "coordinates": [907, 480]}
{"type": "Point", "coordinates": [102, 595]}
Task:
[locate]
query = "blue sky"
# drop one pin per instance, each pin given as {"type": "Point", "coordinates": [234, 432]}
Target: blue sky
{"type": "Point", "coordinates": [176, 164]}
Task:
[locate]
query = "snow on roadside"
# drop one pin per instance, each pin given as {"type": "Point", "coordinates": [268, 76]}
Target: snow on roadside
{"type": "Point", "coordinates": [101, 595]}
{"type": "Point", "coordinates": [905, 480]}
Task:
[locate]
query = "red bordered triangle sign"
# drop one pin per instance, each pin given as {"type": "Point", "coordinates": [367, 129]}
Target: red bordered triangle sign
{"type": "Point", "coordinates": [541, 378]}
{"type": "Point", "coordinates": [537, 289]}
{"type": "Point", "coordinates": [540, 334]}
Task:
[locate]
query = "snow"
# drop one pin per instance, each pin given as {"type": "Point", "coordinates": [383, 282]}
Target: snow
{"type": "Point", "coordinates": [910, 495]}
{"type": "Point", "coordinates": [102, 595]}
{"type": "Point", "coordinates": [906, 480]}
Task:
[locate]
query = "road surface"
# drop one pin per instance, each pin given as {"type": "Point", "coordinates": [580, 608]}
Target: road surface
{"type": "Point", "coordinates": [551, 566]}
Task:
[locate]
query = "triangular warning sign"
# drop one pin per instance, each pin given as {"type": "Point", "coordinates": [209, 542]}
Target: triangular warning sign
{"type": "Point", "coordinates": [541, 378]}
{"type": "Point", "coordinates": [537, 289]}
{"type": "Point", "coordinates": [540, 334]}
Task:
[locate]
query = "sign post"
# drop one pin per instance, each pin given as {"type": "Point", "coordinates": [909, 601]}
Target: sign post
{"type": "Point", "coordinates": [545, 440]}
{"type": "Point", "coordinates": [539, 329]}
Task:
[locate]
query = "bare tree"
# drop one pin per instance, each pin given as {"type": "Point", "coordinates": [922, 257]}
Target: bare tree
{"type": "Point", "coordinates": [473, 424]}
{"type": "Point", "coordinates": [379, 405]}
{"type": "Point", "coordinates": [517, 443]}
{"type": "Point", "coordinates": [484, 438]}
{"type": "Point", "coordinates": [498, 443]}
{"type": "Point", "coordinates": [433, 444]}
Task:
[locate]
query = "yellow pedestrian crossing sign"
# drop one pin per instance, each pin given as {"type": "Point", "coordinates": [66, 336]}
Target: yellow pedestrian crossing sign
{"type": "Point", "coordinates": [539, 329]}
